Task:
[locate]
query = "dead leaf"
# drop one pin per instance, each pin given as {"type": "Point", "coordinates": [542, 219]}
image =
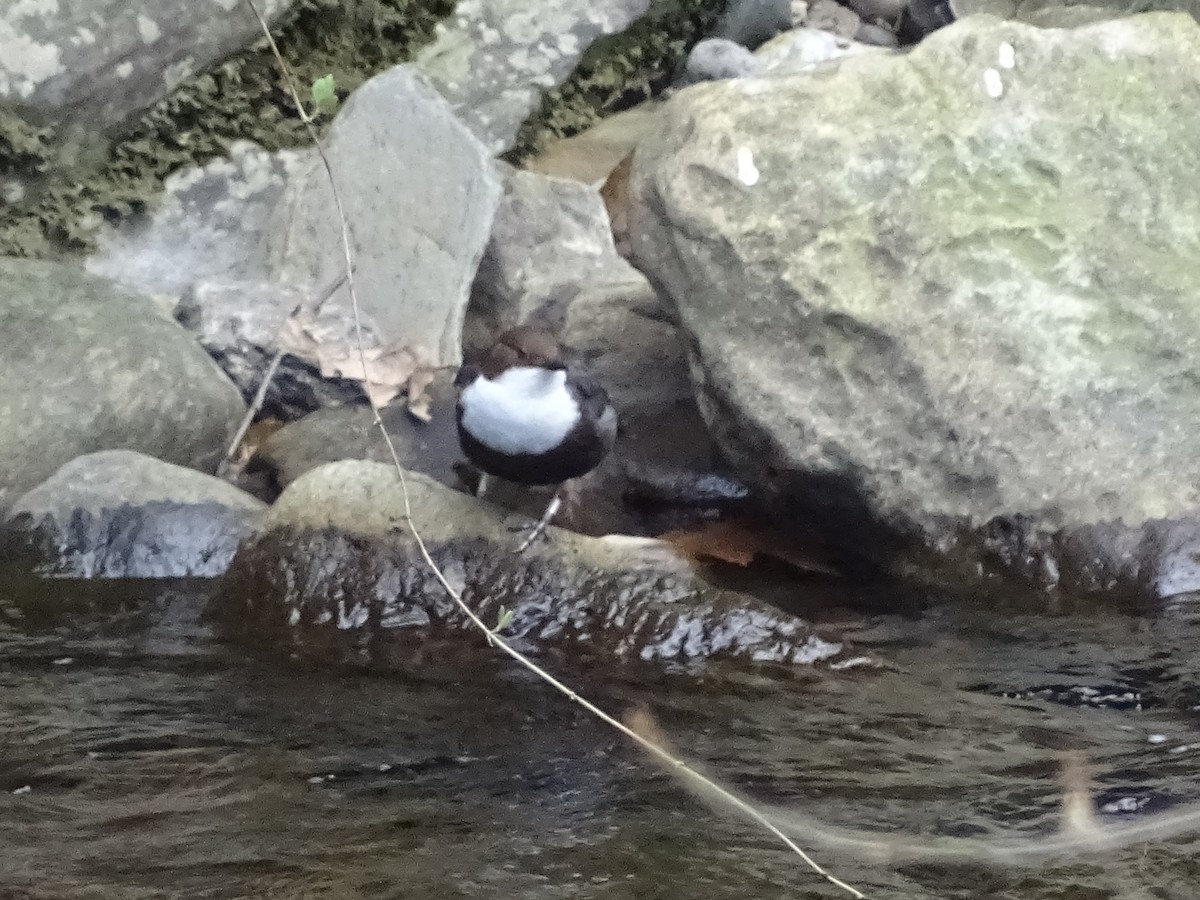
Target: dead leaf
{"type": "Point", "coordinates": [615, 193]}
{"type": "Point", "coordinates": [735, 542]}
{"type": "Point", "coordinates": [418, 399]}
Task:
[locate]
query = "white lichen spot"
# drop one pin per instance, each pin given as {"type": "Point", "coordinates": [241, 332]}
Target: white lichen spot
{"type": "Point", "coordinates": [87, 36]}
{"type": "Point", "coordinates": [25, 63]}
{"type": "Point", "coordinates": [992, 84]}
{"type": "Point", "coordinates": [294, 617]}
{"type": "Point", "coordinates": [227, 5]}
{"type": "Point", "coordinates": [568, 44]}
{"type": "Point", "coordinates": [175, 75]}
{"type": "Point", "coordinates": [12, 191]}
{"type": "Point", "coordinates": [489, 36]}
{"type": "Point", "coordinates": [148, 29]}
{"type": "Point", "coordinates": [125, 69]}
{"type": "Point", "coordinates": [1006, 56]}
{"type": "Point", "coordinates": [747, 172]}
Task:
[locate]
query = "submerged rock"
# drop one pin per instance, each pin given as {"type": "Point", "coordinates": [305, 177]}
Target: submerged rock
{"type": "Point", "coordinates": [89, 366]}
{"type": "Point", "coordinates": [333, 571]}
{"type": "Point", "coordinates": [975, 326]}
{"type": "Point", "coordinates": [121, 514]}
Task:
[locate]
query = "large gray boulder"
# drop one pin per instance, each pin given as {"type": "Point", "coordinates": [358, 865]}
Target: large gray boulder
{"type": "Point", "coordinates": [925, 290]}
{"type": "Point", "coordinates": [121, 514]}
{"type": "Point", "coordinates": [333, 570]}
{"type": "Point", "coordinates": [495, 59]}
{"type": "Point", "coordinates": [87, 365]}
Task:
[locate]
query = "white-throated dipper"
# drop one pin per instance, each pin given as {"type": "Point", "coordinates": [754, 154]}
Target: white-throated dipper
{"type": "Point", "coordinates": [524, 417]}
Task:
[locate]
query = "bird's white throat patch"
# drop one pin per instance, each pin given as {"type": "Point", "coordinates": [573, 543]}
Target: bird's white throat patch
{"type": "Point", "coordinates": [524, 409]}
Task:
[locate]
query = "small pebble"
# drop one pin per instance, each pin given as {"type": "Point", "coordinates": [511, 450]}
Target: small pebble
{"type": "Point", "coordinates": [64, 660]}
{"type": "Point", "coordinates": [22, 790]}
{"type": "Point", "coordinates": [385, 767]}
{"type": "Point", "coordinates": [1157, 738]}
{"type": "Point", "coordinates": [317, 779]}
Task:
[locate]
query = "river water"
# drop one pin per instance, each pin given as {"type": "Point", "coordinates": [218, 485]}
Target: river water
{"type": "Point", "coordinates": [141, 756]}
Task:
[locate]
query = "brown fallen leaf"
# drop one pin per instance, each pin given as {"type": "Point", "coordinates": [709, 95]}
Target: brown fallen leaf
{"type": "Point", "coordinates": [615, 194]}
{"type": "Point", "coordinates": [737, 543]}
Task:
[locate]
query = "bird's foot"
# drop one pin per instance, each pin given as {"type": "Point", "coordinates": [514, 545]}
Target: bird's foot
{"type": "Point", "coordinates": [539, 529]}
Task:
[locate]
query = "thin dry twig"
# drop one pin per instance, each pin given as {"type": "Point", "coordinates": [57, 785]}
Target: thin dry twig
{"type": "Point", "coordinates": [229, 469]}
{"type": "Point", "coordinates": [650, 746]}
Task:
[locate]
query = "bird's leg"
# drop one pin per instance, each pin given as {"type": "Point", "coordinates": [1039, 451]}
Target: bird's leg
{"type": "Point", "coordinates": [544, 521]}
{"type": "Point", "coordinates": [481, 485]}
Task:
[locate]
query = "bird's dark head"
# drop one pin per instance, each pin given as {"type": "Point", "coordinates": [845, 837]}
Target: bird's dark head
{"type": "Point", "coordinates": [522, 346]}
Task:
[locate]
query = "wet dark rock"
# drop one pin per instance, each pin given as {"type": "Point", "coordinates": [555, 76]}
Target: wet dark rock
{"type": "Point", "coordinates": [88, 365]}
{"type": "Point", "coordinates": [993, 401]}
{"type": "Point", "coordinates": [349, 432]}
{"type": "Point", "coordinates": [333, 573]}
{"type": "Point", "coordinates": [121, 514]}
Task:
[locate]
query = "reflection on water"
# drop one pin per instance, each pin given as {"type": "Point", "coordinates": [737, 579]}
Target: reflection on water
{"type": "Point", "coordinates": [141, 757]}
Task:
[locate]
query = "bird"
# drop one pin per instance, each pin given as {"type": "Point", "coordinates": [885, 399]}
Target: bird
{"type": "Point", "coordinates": [525, 417]}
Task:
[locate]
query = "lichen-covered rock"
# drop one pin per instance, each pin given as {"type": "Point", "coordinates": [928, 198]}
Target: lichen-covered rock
{"type": "Point", "coordinates": [334, 571]}
{"type": "Point", "coordinates": [95, 63]}
{"type": "Point", "coordinates": [121, 514]}
{"type": "Point", "coordinates": [90, 366]}
{"type": "Point", "coordinates": [498, 57]}
{"type": "Point", "coordinates": [947, 320]}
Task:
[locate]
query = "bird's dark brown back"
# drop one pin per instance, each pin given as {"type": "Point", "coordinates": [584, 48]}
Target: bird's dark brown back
{"type": "Point", "coordinates": [521, 346]}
